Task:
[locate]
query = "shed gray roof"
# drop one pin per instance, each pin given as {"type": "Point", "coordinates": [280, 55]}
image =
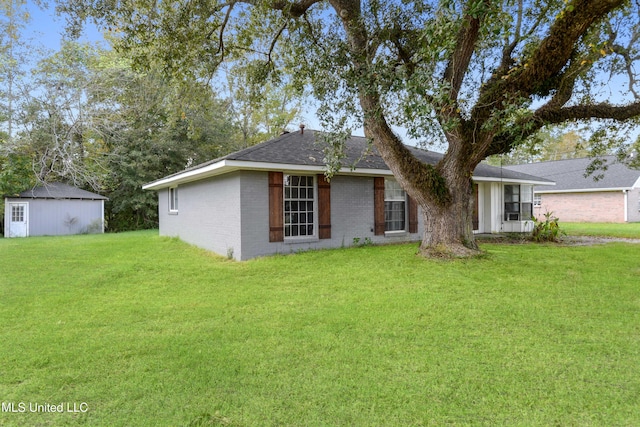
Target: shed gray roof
{"type": "Point", "coordinates": [58, 190]}
{"type": "Point", "coordinates": [306, 149]}
{"type": "Point", "coordinates": [569, 174]}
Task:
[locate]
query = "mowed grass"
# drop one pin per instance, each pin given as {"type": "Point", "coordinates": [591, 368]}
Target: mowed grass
{"type": "Point", "coordinates": [148, 331]}
{"type": "Point", "coordinates": [603, 229]}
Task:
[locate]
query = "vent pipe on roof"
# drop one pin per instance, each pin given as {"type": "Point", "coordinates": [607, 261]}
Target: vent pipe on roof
{"type": "Point", "coordinates": [301, 128]}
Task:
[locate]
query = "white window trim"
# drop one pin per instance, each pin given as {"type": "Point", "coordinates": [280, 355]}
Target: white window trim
{"type": "Point", "coordinates": [405, 231]}
{"type": "Point", "coordinates": [521, 201]}
{"type": "Point", "coordinates": [537, 200]}
{"type": "Point", "coordinates": [173, 200]}
{"type": "Point", "coordinates": [18, 212]}
{"type": "Point", "coordinates": [301, 239]}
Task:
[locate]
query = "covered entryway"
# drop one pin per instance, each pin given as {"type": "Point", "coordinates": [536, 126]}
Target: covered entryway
{"type": "Point", "coordinates": [18, 224]}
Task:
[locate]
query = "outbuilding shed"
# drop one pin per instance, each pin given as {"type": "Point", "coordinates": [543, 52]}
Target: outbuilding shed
{"type": "Point", "coordinates": [53, 209]}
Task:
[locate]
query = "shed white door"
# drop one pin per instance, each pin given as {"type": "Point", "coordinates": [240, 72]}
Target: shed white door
{"type": "Point", "coordinates": [19, 213]}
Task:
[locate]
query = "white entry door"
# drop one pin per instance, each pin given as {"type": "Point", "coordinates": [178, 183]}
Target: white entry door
{"type": "Point", "coordinates": [19, 213]}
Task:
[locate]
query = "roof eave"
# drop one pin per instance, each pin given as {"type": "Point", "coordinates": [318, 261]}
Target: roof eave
{"type": "Point", "coordinates": [227, 166]}
{"type": "Point", "coordinates": [511, 180]}
{"type": "Point", "coordinates": [583, 190]}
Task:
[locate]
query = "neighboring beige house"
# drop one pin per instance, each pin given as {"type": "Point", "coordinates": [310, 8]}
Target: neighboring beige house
{"type": "Point", "coordinates": [576, 198]}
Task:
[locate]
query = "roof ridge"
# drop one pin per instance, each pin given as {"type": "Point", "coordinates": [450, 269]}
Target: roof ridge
{"type": "Point", "coordinates": [565, 160]}
{"type": "Point", "coordinates": [260, 145]}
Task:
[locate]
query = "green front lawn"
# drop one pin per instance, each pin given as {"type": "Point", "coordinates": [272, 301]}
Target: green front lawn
{"type": "Point", "coordinates": [603, 229]}
{"type": "Point", "coordinates": [147, 330]}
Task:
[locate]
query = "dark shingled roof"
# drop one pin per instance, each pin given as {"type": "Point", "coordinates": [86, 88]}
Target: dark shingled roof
{"type": "Point", "coordinates": [57, 190]}
{"type": "Point", "coordinates": [306, 148]}
{"type": "Point", "coordinates": [569, 174]}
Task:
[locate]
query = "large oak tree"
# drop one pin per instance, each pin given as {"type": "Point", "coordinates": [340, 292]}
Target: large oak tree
{"type": "Point", "coordinates": [480, 75]}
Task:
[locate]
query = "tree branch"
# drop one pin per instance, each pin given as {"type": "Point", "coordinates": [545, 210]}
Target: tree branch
{"type": "Point", "coordinates": [594, 111]}
{"type": "Point", "coordinates": [461, 56]}
{"type": "Point", "coordinates": [507, 61]}
{"type": "Point", "coordinates": [221, 32]}
{"type": "Point", "coordinates": [628, 61]}
{"type": "Point", "coordinates": [503, 142]}
{"type": "Point", "coordinates": [293, 10]}
{"type": "Point", "coordinates": [553, 53]}
{"type": "Point", "coordinates": [275, 40]}
{"type": "Point", "coordinates": [541, 73]}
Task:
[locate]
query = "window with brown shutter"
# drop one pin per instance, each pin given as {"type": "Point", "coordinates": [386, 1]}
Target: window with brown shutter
{"type": "Point", "coordinates": [276, 216]}
{"type": "Point", "coordinates": [293, 211]}
{"type": "Point", "coordinates": [394, 209]}
{"type": "Point", "coordinates": [413, 215]}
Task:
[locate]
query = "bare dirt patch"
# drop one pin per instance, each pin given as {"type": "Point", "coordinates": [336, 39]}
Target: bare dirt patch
{"type": "Point", "coordinates": [516, 238]}
{"type": "Point", "coordinates": [593, 240]}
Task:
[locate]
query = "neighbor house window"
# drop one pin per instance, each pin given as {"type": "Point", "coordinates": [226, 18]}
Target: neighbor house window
{"type": "Point", "coordinates": [518, 202]}
{"type": "Point", "coordinates": [537, 200]}
{"type": "Point", "coordinates": [395, 206]}
{"type": "Point", "coordinates": [299, 206]}
{"type": "Point", "coordinates": [17, 213]}
{"type": "Point", "coordinates": [173, 199]}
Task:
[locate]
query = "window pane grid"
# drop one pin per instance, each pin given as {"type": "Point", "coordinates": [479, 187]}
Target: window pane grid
{"type": "Point", "coordinates": [17, 213]}
{"type": "Point", "coordinates": [519, 201]}
{"type": "Point", "coordinates": [298, 206]}
{"type": "Point", "coordinates": [394, 206]}
{"type": "Point", "coordinates": [537, 200]}
{"type": "Point", "coordinates": [173, 199]}
{"type": "Point", "coordinates": [394, 216]}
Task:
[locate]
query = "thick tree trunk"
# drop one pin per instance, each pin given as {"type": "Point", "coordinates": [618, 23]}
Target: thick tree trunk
{"type": "Point", "coordinates": [448, 228]}
{"type": "Point", "coordinates": [444, 192]}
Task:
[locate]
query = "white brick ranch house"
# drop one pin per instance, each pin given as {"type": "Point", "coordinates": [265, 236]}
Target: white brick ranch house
{"type": "Point", "coordinates": [274, 198]}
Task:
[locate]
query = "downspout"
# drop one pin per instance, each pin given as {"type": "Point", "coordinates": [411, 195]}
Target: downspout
{"type": "Point", "coordinates": [626, 205]}
{"type": "Point", "coordinates": [102, 203]}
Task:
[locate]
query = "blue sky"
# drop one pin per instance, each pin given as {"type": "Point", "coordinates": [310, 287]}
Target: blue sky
{"type": "Point", "coordinates": [47, 29]}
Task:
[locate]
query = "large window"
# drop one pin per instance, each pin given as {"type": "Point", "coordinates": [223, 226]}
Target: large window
{"type": "Point", "coordinates": [299, 198]}
{"type": "Point", "coordinates": [395, 203]}
{"type": "Point", "coordinates": [518, 202]}
{"type": "Point", "coordinates": [173, 199]}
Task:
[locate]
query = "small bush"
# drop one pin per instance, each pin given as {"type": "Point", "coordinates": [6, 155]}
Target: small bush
{"type": "Point", "coordinates": [357, 241]}
{"type": "Point", "coordinates": [548, 230]}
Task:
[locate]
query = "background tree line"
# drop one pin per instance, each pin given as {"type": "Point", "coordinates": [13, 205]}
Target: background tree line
{"type": "Point", "coordinates": [85, 116]}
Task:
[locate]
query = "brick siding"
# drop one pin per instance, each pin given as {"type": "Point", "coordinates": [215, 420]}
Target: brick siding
{"type": "Point", "coordinates": [583, 207]}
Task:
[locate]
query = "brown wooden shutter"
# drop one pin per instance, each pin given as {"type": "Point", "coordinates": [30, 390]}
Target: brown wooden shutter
{"type": "Point", "coordinates": [276, 214]}
{"type": "Point", "coordinates": [475, 219]}
{"type": "Point", "coordinates": [378, 206]}
{"type": "Point", "coordinates": [413, 215]}
{"type": "Point", "coordinates": [324, 207]}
